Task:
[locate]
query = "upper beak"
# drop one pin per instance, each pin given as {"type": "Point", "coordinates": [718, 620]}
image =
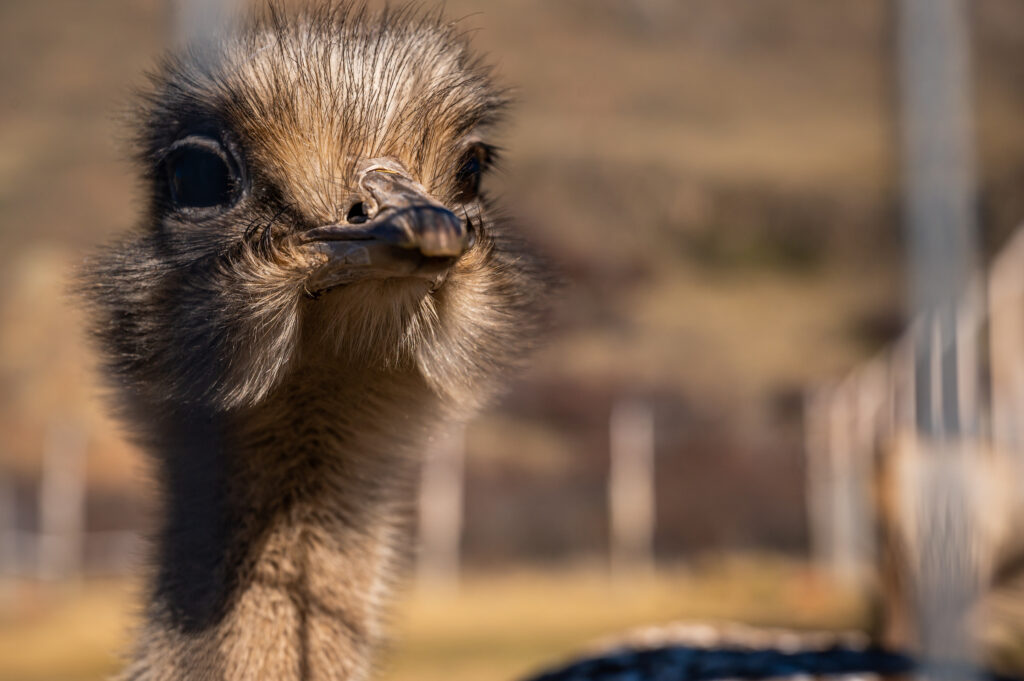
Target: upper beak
{"type": "Point", "coordinates": [409, 235]}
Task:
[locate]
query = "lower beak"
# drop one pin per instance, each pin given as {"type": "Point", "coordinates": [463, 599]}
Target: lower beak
{"type": "Point", "coordinates": [411, 235]}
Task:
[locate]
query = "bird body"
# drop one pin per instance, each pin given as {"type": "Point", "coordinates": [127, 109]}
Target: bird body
{"type": "Point", "coordinates": [316, 285]}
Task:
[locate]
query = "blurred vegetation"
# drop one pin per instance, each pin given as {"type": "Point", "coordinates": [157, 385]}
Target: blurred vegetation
{"type": "Point", "coordinates": [717, 180]}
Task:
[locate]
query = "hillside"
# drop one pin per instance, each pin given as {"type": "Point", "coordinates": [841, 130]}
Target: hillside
{"type": "Point", "coordinates": [716, 179]}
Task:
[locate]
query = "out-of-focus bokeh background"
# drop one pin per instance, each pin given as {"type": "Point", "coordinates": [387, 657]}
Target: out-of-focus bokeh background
{"type": "Point", "coordinates": [720, 182]}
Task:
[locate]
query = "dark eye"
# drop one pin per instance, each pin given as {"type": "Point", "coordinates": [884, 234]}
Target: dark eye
{"type": "Point", "coordinates": [467, 178]}
{"type": "Point", "coordinates": [200, 174]}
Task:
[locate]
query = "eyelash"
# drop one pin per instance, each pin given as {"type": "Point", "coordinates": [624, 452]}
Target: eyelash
{"type": "Point", "coordinates": [476, 159]}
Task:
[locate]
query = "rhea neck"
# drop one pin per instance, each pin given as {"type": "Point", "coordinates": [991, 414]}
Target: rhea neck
{"type": "Point", "coordinates": [283, 525]}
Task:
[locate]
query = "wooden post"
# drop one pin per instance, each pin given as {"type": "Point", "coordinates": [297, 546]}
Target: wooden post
{"type": "Point", "coordinates": [631, 488]}
{"type": "Point", "coordinates": [844, 520]}
{"type": "Point", "coordinates": [873, 430]}
{"type": "Point", "coordinates": [841, 429]}
{"type": "Point", "coordinates": [819, 492]}
{"type": "Point", "coordinates": [1006, 337]}
{"type": "Point", "coordinates": [939, 210]}
{"type": "Point", "coordinates": [970, 320]}
{"type": "Point", "coordinates": [937, 129]}
{"type": "Point", "coordinates": [441, 499]}
{"type": "Point", "coordinates": [902, 411]}
{"type": "Point", "coordinates": [62, 502]}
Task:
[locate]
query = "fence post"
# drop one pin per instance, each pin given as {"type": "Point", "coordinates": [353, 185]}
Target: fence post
{"type": "Point", "coordinates": [62, 502]}
{"type": "Point", "coordinates": [631, 487]}
{"type": "Point", "coordinates": [1006, 338]}
{"type": "Point", "coordinates": [937, 132]}
{"type": "Point", "coordinates": [873, 430]}
{"type": "Point", "coordinates": [441, 500]}
{"type": "Point", "coordinates": [841, 439]}
{"type": "Point", "coordinates": [820, 479]}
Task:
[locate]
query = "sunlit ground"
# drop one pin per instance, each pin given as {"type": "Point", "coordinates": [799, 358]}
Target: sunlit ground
{"type": "Point", "coordinates": [495, 626]}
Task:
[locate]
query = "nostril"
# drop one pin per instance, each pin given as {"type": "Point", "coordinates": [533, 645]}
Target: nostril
{"type": "Point", "coordinates": [357, 214]}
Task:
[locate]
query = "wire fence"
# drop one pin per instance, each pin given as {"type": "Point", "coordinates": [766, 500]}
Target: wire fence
{"type": "Point", "coordinates": [883, 494]}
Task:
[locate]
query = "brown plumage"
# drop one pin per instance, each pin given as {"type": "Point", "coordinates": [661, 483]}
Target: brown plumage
{"type": "Point", "coordinates": [315, 286]}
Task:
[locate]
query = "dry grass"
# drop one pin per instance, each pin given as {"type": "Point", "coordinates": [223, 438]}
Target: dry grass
{"type": "Point", "coordinates": [67, 632]}
{"type": "Point", "coordinates": [494, 627]}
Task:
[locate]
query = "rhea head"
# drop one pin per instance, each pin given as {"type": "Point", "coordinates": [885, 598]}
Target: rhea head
{"type": "Point", "coordinates": [314, 198]}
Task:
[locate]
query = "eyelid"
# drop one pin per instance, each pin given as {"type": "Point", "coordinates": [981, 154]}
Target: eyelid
{"type": "Point", "coordinates": [201, 141]}
{"type": "Point", "coordinates": [223, 146]}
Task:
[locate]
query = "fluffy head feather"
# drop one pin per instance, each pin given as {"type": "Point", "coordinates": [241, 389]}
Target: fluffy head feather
{"type": "Point", "coordinates": [215, 308]}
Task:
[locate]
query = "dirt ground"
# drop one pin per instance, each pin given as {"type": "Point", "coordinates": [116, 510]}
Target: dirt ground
{"type": "Point", "coordinates": [497, 626]}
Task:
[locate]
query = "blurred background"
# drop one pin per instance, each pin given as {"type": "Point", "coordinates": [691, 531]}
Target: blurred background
{"type": "Point", "coordinates": [723, 425]}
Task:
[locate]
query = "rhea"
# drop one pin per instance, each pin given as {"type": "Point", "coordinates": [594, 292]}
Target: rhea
{"type": "Point", "coordinates": [316, 283]}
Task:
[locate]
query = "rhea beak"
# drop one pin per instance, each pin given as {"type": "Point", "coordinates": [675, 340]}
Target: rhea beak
{"type": "Point", "coordinates": [410, 235]}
